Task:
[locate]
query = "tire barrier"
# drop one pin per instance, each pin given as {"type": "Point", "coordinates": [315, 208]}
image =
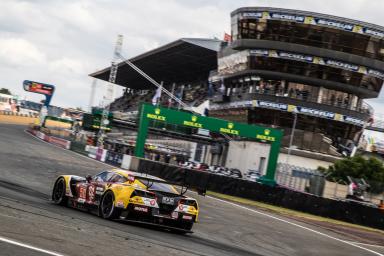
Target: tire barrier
{"type": "Point", "coordinates": [348, 211]}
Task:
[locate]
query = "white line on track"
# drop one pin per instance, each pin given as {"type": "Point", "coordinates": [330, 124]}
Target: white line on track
{"type": "Point", "coordinates": [9, 241]}
{"type": "Point", "coordinates": [355, 244]}
{"type": "Point", "coordinates": [297, 225]}
{"type": "Point", "coordinates": [370, 245]}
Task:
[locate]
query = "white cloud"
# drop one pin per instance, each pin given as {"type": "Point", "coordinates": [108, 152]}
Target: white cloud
{"type": "Point", "coordinates": [61, 42]}
{"type": "Point", "coordinates": [20, 52]}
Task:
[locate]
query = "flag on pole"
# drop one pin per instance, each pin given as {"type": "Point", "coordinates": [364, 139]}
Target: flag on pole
{"type": "Point", "coordinates": [222, 87]}
{"type": "Point", "coordinates": [157, 95]}
{"type": "Point", "coordinates": [210, 89]}
{"type": "Point", "coordinates": [227, 37]}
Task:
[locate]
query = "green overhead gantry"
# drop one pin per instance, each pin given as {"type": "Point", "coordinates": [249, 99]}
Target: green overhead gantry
{"type": "Point", "coordinates": [272, 136]}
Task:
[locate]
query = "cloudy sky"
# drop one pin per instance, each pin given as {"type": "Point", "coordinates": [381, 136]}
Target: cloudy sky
{"type": "Point", "coordinates": [62, 41]}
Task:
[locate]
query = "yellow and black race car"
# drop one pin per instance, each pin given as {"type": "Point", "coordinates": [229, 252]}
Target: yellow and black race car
{"type": "Point", "coordinates": [127, 195]}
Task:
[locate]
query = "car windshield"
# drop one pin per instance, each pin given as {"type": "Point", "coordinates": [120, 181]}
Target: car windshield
{"type": "Point", "coordinates": [158, 186]}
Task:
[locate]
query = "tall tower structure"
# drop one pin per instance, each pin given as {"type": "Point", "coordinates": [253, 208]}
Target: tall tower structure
{"type": "Point", "coordinates": [110, 90]}
{"type": "Point", "coordinates": [92, 96]}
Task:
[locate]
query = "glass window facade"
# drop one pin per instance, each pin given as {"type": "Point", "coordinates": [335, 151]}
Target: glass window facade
{"type": "Point", "coordinates": [303, 92]}
{"type": "Point", "coordinates": [307, 34]}
{"type": "Point", "coordinates": [315, 71]}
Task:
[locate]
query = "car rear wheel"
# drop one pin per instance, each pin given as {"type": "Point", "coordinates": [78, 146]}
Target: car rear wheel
{"type": "Point", "coordinates": [58, 192]}
{"type": "Point", "coordinates": [107, 207]}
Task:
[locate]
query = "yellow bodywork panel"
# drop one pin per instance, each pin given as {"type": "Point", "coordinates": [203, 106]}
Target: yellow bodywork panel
{"type": "Point", "coordinates": [123, 191]}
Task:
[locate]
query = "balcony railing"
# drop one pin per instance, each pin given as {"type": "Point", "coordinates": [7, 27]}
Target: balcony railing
{"type": "Point", "coordinates": [308, 100]}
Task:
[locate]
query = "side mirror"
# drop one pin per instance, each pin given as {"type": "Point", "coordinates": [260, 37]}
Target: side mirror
{"type": "Point", "coordinates": [88, 178]}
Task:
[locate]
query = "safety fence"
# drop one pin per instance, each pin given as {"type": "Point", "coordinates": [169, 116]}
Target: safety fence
{"type": "Point", "coordinates": [314, 182]}
{"type": "Point", "coordinates": [349, 211]}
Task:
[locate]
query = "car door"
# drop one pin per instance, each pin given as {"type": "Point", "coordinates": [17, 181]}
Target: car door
{"type": "Point", "coordinates": [90, 192]}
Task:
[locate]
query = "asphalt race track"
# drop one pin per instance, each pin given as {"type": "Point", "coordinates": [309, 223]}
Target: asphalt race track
{"type": "Point", "coordinates": [31, 225]}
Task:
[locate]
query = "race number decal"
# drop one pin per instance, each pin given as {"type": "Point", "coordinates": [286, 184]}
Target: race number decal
{"type": "Point", "coordinates": [82, 192]}
{"type": "Point", "coordinates": [91, 193]}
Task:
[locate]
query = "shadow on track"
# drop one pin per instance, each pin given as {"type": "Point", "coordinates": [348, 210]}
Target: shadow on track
{"type": "Point", "coordinates": [35, 199]}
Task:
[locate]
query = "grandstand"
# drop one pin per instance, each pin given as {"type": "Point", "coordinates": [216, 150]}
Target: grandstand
{"type": "Point", "coordinates": [280, 65]}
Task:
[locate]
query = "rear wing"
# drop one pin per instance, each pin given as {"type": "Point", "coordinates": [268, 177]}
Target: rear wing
{"type": "Point", "coordinates": [184, 178]}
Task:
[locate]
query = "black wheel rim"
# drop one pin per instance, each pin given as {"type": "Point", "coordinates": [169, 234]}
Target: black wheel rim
{"type": "Point", "coordinates": [107, 206]}
{"type": "Point", "coordinates": [59, 191]}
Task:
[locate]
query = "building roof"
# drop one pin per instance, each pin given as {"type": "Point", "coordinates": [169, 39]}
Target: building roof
{"type": "Point", "coordinates": [186, 59]}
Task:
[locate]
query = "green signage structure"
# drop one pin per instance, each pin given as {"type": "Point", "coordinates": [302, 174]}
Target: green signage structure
{"type": "Point", "coordinates": [272, 136]}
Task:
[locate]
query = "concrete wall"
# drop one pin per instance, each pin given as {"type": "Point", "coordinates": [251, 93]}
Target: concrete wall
{"type": "Point", "coordinates": [335, 190]}
{"type": "Point", "coordinates": [245, 155]}
{"type": "Point", "coordinates": [13, 119]}
{"type": "Point", "coordinates": [306, 162]}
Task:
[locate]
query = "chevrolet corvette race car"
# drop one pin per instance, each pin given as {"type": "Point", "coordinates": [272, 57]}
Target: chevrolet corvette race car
{"type": "Point", "coordinates": [127, 195]}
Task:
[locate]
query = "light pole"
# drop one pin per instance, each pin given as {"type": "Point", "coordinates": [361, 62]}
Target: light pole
{"type": "Point", "coordinates": [294, 112]}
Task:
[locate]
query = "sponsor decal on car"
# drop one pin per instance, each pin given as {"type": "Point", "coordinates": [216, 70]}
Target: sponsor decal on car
{"type": "Point", "coordinates": [91, 193]}
{"type": "Point", "coordinates": [187, 217]}
{"type": "Point", "coordinates": [175, 215]}
{"type": "Point", "coordinates": [168, 200]}
{"type": "Point", "coordinates": [140, 208]}
{"type": "Point", "coordinates": [99, 190]}
{"type": "Point", "coordinates": [120, 204]}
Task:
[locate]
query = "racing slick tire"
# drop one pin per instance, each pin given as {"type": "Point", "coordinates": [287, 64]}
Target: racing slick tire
{"type": "Point", "coordinates": [107, 207]}
{"type": "Point", "coordinates": [58, 192]}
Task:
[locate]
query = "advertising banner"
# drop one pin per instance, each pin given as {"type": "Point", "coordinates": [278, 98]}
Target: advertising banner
{"type": "Point", "coordinates": [41, 88]}
{"type": "Point", "coordinates": [101, 154]}
{"type": "Point", "coordinates": [91, 151]}
{"type": "Point", "coordinates": [355, 28]}
{"type": "Point", "coordinates": [59, 142]}
{"type": "Point", "coordinates": [317, 60]}
{"type": "Point", "coordinates": [291, 108]}
{"type": "Point", "coordinates": [114, 158]}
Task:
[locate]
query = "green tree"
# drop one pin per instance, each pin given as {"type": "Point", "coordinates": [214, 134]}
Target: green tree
{"type": "Point", "coordinates": [371, 170]}
{"type": "Point", "coordinates": [5, 91]}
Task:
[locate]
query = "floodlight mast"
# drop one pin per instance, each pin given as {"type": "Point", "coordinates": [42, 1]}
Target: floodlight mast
{"type": "Point", "coordinates": [92, 96]}
{"type": "Point", "coordinates": [104, 121]}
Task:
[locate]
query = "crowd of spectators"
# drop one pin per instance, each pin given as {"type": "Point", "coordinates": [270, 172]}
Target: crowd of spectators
{"type": "Point", "coordinates": [192, 95]}
{"type": "Point", "coordinates": [295, 91]}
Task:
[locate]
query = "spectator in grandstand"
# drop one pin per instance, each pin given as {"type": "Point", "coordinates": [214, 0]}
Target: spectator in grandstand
{"type": "Point", "coordinates": [222, 87]}
{"type": "Point", "coordinates": [261, 87]}
{"type": "Point", "coordinates": [346, 101]}
{"type": "Point", "coordinates": [339, 101]}
{"type": "Point", "coordinates": [290, 92]}
{"type": "Point", "coordinates": [167, 158]}
{"type": "Point", "coordinates": [305, 94]}
{"type": "Point", "coordinates": [332, 99]}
